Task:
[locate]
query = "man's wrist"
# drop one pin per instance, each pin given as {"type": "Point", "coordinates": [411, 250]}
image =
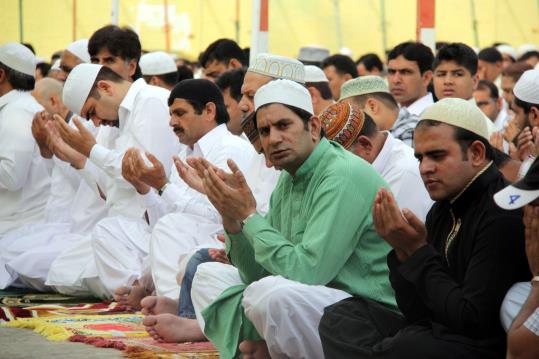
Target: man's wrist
{"type": "Point", "coordinates": [162, 189]}
{"type": "Point", "coordinates": [243, 221]}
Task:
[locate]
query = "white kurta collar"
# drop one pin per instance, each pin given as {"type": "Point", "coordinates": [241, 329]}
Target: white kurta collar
{"type": "Point", "coordinates": [204, 145]}
{"type": "Point", "coordinates": [10, 96]}
{"type": "Point", "coordinates": [420, 104]}
{"type": "Point", "coordinates": [382, 159]}
{"type": "Point", "coordinates": [128, 103]}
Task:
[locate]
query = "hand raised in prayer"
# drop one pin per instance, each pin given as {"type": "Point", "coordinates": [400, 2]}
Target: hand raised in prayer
{"type": "Point", "coordinates": [402, 231]}
{"type": "Point", "coordinates": [531, 224]}
{"type": "Point", "coordinates": [525, 144]}
{"type": "Point", "coordinates": [40, 133]}
{"type": "Point", "coordinates": [496, 140]}
{"type": "Point", "coordinates": [229, 193]}
{"type": "Point", "coordinates": [511, 130]}
{"type": "Point", "coordinates": [189, 175]}
{"type": "Point", "coordinates": [62, 150]}
{"type": "Point", "coordinates": [80, 139]}
{"type": "Point", "coordinates": [129, 171]}
{"type": "Point", "coordinates": [153, 175]}
{"type": "Point", "coordinates": [218, 255]}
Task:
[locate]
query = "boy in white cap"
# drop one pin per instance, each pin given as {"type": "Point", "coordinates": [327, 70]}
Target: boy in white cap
{"type": "Point", "coordinates": [74, 54]}
{"type": "Point", "coordinates": [24, 178]}
{"type": "Point", "coordinates": [520, 308]}
{"type": "Point", "coordinates": [141, 113]}
{"type": "Point", "coordinates": [318, 85]}
{"type": "Point", "coordinates": [260, 309]}
{"type": "Point", "coordinates": [439, 270]}
{"type": "Point", "coordinates": [159, 69]}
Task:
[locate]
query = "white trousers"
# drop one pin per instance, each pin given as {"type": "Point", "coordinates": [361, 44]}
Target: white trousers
{"type": "Point", "coordinates": [174, 239]}
{"type": "Point", "coordinates": [286, 313]}
{"type": "Point", "coordinates": [513, 302]}
{"type": "Point", "coordinates": [120, 246]}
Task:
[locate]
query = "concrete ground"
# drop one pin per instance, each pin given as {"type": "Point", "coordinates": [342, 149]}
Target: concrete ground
{"type": "Point", "coordinates": [18, 343]}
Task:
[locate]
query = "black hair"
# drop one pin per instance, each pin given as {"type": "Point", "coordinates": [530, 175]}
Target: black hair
{"type": "Point", "coordinates": [369, 126]}
{"type": "Point", "coordinates": [104, 74]}
{"type": "Point", "coordinates": [44, 67]}
{"type": "Point", "coordinates": [457, 52]}
{"type": "Point", "coordinates": [464, 138]}
{"type": "Point", "coordinates": [121, 42]}
{"type": "Point", "coordinates": [384, 97]}
{"type": "Point", "coordinates": [526, 106]}
{"type": "Point", "coordinates": [500, 157]}
{"type": "Point", "coordinates": [184, 73]}
{"type": "Point", "coordinates": [529, 55]}
{"type": "Point", "coordinates": [29, 47]}
{"type": "Point", "coordinates": [490, 55]}
{"type": "Point", "coordinates": [301, 113]}
{"type": "Point", "coordinates": [414, 51]}
{"type": "Point", "coordinates": [18, 80]}
{"type": "Point", "coordinates": [516, 70]}
{"type": "Point", "coordinates": [322, 87]}
{"type": "Point", "coordinates": [222, 50]}
{"type": "Point", "coordinates": [371, 61]}
{"type": "Point", "coordinates": [490, 87]}
{"type": "Point", "coordinates": [57, 55]}
{"type": "Point", "coordinates": [232, 80]}
{"type": "Point", "coordinates": [342, 63]}
{"type": "Point", "coordinates": [170, 79]}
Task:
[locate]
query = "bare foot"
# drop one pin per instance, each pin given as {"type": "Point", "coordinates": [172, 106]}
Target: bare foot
{"type": "Point", "coordinates": [153, 305]}
{"type": "Point", "coordinates": [254, 349]}
{"type": "Point", "coordinates": [130, 297]}
{"type": "Point", "coordinates": [170, 328]}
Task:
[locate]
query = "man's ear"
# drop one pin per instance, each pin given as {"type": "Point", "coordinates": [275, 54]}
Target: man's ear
{"type": "Point", "coordinates": [315, 95]}
{"type": "Point", "coordinates": [475, 80]}
{"type": "Point", "coordinates": [365, 143]}
{"type": "Point", "coordinates": [372, 106]}
{"type": "Point", "coordinates": [132, 66]}
{"type": "Point", "coordinates": [211, 110]}
{"type": "Point", "coordinates": [315, 126]}
{"type": "Point", "coordinates": [533, 116]}
{"type": "Point", "coordinates": [427, 77]}
{"type": "Point", "coordinates": [105, 87]}
{"type": "Point", "coordinates": [476, 153]}
{"type": "Point", "coordinates": [347, 77]}
{"type": "Point", "coordinates": [234, 63]}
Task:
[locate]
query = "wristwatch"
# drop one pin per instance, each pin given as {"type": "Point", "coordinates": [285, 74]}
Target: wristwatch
{"type": "Point", "coordinates": [162, 189]}
{"type": "Point", "coordinates": [242, 223]}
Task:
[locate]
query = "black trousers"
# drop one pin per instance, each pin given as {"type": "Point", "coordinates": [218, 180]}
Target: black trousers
{"type": "Point", "coordinates": [360, 328]}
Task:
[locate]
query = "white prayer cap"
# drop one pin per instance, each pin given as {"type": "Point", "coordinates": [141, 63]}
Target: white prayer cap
{"type": "Point", "coordinates": [278, 67]}
{"type": "Point", "coordinates": [522, 49]}
{"type": "Point", "coordinates": [79, 48]}
{"type": "Point", "coordinates": [363, 85]}
{"type": "Point", "coordinates": [56, 65]}
{"type": "Point", "coordinates": [314, 74]}
{"type": "Point", "coordinates": [346, 52]}
{"type": "Point", "coordinates": [78, 86]}
{"type": "Point", "coordinates": [157, 63]}
{"type": "Point", "coordinates": [286, 92]}
{"type": "Point", "coordinates": [18, 57]}
{"type": "Point", "coordinates": [527, 87]}
{"type": "Point", "coordinates": [506, 49]}
{"type": "Point", "coordinates": [460, 113]}
{"type": "Point", "coordinates": [312, 54]}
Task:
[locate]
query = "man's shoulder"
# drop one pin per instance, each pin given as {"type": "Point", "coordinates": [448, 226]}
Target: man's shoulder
{"type": "Point", "coordinates": [153, 93]}
{"type": "Point", "coordinates": [22, 106]}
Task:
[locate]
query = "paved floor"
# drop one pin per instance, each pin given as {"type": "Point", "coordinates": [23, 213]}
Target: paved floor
{"type": "Point", "coordinates": [18, 343]}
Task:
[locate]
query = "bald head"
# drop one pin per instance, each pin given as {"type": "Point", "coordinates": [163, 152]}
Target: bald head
{"type": "Point", "coordinates": [48, 92]}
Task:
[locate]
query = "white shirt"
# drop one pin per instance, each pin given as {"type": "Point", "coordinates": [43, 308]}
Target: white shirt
{"type": "Point", "coordinates": [24, 176]}
{"type": "Point", "coordinates": [502, 119]}
{"type": "Point", "coordinates": [144, 124]}
{"type": "Point", "coordinates": [216, 146]}
{"type": "Point", "coordinates": [398, 166]}
{"type": "Point", "coordinates": [420, 104]}
{"type": "Point", "coordinates": [262, 181]}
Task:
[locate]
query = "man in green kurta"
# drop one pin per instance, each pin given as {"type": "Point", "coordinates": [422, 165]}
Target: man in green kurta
{"type": "Point", "coordinates": [316, 246]}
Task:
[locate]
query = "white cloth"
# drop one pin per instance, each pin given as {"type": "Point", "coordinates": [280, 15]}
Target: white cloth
{"type": "Point", "coordinates": [421, 104]}
{"type": "Point", "coordinates": [285, 313]}
{"type": "Point", "coordinates": [24, 176]}
{"type": "Point", "coordinates": [143, 124]}
{"type": "Point", "coordinates": [513, 302]}
{"type": "Point", "coordinates": [501, 120]}
{"type": "Point", "coordinates": [186, 220]}
{"type": "Point", "coordinates": [398, 166]}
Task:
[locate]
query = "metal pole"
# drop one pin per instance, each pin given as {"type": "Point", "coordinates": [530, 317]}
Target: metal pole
{"type": "Point", "coordinates": [167, 27]}
{"type": "Point", "coordinates": [115, 12]}
{"type": "Point", "coordinates": [383, 24]}
{"type": "Point", "coordinates": [338, 23]}
{"type": "Point", "coordinates": [237, 21]}
{"type": "Point", "coordinates": [474, 23]}
{"type": "Point", "coordinates": [21, 34]}
{"type": "Point", "coordinates": [74, 21]}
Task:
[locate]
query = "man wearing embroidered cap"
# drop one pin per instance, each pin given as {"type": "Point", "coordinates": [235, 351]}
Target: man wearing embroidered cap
{"type": "Point", "coordinates": [295, 240]}
{"type": "Point", "coordinates": [318, 85]}
{"type": "Point", "coordinates": [24, 179]}
{"type": "Point", "coordinates": [440, 270]}
{"type": "Point", "coordinates": [159, 69]}
{"type": "Point", "coordinates": [520, 309]}
{"type": "Point", "coordinates": [140, 111]}
{"type": "Point", "coordinates": [356, 131]}
{"type": "Point", "coordinates": [74, 54]}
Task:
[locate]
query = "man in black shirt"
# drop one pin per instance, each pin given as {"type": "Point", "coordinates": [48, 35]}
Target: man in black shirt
{"type": "Point", "coordinates": [450, 274]}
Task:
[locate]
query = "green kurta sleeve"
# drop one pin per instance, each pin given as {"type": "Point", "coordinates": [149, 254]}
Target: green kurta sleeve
{"type": "Point", "coordinates": [242, 256]}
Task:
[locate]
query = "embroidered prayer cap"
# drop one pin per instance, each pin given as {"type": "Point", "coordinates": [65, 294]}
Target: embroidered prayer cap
{"type": "Point", "coordinates": [312, 54]}
{"type": "Point", "coordinates": [78, 85]}
{"type": "Point", "coordinates": [157, 63]}
{"type": "Point", "coordinates": [314, 74]}
{"type": "Point", "coordinates": [460, 113]}
{"type": "Point", "coordinates": [79, 48]}
{"type": "Point", "coordinates": [363, 85]}
{"type": "Point", "coordinates": [527, 87]}
{"type": "Point", "coordinates": [506, 49]}
{"type": "Point", "coordinates": [19, 58]}
{"type": "Point", "coordinates": [522, 192]}
{"type": "Point", "coordinates": [278, 67]}
{"type": "Point", "coordinates": [286, 92]}
{"type": "Point", "coordinates": [342, 123]}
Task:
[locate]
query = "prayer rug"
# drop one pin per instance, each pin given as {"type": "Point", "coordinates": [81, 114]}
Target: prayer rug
{"type": "Point", "coordinates": [14, 297]}
{"type": "Point", "coordinates": [49, 310]}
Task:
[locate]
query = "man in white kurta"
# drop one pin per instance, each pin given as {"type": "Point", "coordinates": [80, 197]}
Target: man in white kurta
{"type": "Point", "coordinates": [141, 113]}
{"type": "Point", "coordinates": [24, 177]}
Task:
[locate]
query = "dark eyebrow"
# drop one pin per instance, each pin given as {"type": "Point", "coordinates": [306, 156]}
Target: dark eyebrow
{"type": "Point", "coordinates": [429, 153]}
